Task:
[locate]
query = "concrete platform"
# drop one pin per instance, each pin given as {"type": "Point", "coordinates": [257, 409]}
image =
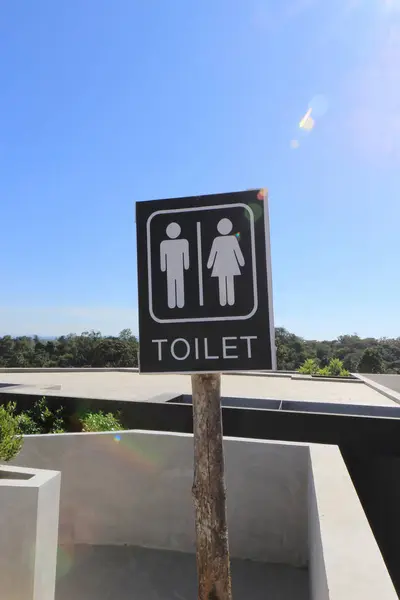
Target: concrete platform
{"type": "Point", "coordinates": [127, 385]}
{"type": "Point", "coordinates": [125, 573]}
{"type": "Point", "coordinates": [390, 381]}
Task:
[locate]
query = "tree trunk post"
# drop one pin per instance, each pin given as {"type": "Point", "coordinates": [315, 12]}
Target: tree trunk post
{"type": "Point", "coordinates": [209, 494]}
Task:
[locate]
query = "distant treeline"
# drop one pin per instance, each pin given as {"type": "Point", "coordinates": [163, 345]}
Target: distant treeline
{"type": "Point", "coordinates": [92, 349]}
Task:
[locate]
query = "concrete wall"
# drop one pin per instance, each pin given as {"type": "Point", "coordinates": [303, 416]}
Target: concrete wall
{"type": "Point", "coordinates": [138, 491]}
{"type": "Point", "coordinates": [29, 509]}
{"type": "Point", "coordinates": [345, 560]}
{"type": "Point", "coordinates": [287, 503]}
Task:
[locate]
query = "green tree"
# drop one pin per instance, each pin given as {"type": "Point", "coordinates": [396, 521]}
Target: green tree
{"type": "Point", "coordinates": [93, 349]}
{"type": "Point", "coordinates": [127, 335]}
{"type": "Point", "coordinates": [6, 350]}
{"type": "Point", "coordinates": [371, 361]}
{"type": "Point", "coordinates": [290, 350]}
{"type": "Point", "coordinates": [114, 352]}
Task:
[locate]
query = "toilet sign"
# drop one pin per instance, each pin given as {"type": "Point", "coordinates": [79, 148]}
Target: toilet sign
{"type": "Point", "coordinates": [204, 277]}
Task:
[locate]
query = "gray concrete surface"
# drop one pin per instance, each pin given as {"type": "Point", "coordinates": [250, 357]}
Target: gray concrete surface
{"type": "Point", "coordinates": [116, 385]}
{"type": "Point", "coordinates": [108, 573]}
{"type": "Point", "coordinates": [390, 381]}
{"type": "Point", "coordinates": [386, 385]}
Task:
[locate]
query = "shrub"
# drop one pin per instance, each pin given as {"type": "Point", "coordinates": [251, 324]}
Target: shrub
{"type": "Point", "coordinates": [310, 366]}
{"type": "Point", "coordinates": [100, 421]}
{"type": "Point", "coordinates": [42, 418]}
{"type": "Point", "coordinates": [27, 425]}
{"type": "Point", "coordinates": [10, 435]}
{"type": "Point", "coordinates": [333, 369]}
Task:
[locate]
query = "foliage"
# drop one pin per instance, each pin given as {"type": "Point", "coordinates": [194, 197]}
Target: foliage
{"type": "Point", "coordinates": [91, 349]}
{"type": "Point", "coordinates": [41, 419]}
{"type": "Point", "coordinates": [333, 369]}
{"type": "Point", "coordinates": [371, 361]}
{"type": "Point", "coordinates": [292, 352]}
{"type": "Point", "coordinates": [27, 425]}
{"type": "Point", "coordinates": [100, 421]}
{"type": "Point", "coordinates": [10, 436]}
{"type": "Point", "coordinates": [310, 366]}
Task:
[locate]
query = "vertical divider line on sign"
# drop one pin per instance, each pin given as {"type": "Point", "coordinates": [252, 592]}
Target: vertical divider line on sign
{"type": "Point", "coordinates": [200, 264]}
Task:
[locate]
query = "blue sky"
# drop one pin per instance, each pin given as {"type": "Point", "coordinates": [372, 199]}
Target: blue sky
{"type": "Point", "coordinates": [107, 102]}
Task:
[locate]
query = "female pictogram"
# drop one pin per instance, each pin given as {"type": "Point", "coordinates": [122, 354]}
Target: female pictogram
{"type": "Point", "coordinates": [225, 259]}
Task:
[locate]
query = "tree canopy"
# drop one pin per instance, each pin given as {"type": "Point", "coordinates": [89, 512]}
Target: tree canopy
{"type": "Point", "coordinates": [371, 361]}
{"type": "Point", "coordinates": [382, 355]}
{"type": "Point", "coordinates": [92, 349]}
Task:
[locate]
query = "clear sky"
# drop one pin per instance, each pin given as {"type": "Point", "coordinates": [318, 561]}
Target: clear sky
{"type": "Point", "coordinates": [105, 102]}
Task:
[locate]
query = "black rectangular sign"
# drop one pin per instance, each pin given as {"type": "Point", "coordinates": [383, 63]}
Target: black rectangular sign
{"type": "Point", "coordinates": [204, 278]}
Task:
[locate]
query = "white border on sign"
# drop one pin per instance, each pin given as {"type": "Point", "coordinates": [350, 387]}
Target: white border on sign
{"type": "Point", "coordinates": [253, 255]}
{"type": "Point", "coordinates": [269, 282]}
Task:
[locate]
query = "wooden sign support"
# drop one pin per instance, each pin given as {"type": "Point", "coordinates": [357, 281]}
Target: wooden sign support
{"type": "Point", "coordinates": [209, 493]}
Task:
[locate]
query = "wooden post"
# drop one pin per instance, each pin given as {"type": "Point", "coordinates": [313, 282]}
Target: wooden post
{"type": "Point", "coordinates": [209, 494]}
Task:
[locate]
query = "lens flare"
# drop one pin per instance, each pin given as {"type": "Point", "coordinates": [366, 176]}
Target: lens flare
{"type": "Point", "coordinates": [307, 122]}
{"type": "Point", "coordinates": [317, 107]}
{"type": "Point", "coordinates": [65, 560]}
{"type": "Point", "coordinates": [257, 211]}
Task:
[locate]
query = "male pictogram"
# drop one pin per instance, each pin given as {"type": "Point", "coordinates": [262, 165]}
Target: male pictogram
{"type": "Point", "coordinates": [174, 260]}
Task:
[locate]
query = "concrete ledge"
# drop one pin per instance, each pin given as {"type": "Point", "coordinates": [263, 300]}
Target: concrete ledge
{"type": "Point", "coordinates": [284, 374]}
{"type": "Point", "coordinates": [345, 561]}
{"type": "Point", "coordinates": [350, 379]}
{"type": "Point", "coordinates": [66, 370]}
{"type": "Point", "coordinates": [29, 510]}
{"type": "Point", "coordinates": [382, 389]}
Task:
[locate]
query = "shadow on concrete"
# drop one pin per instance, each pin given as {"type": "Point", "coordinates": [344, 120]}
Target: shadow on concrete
{"type": "Point", "coordinates": [113, 572]}
{"type": "Point", "coordinates": [9, 385]}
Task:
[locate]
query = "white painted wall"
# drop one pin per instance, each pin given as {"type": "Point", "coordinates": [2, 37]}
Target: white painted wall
{"type": "Point", "coordinates": [29, 509]}
{"type": "Point", "coordinates": [138, 491]}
